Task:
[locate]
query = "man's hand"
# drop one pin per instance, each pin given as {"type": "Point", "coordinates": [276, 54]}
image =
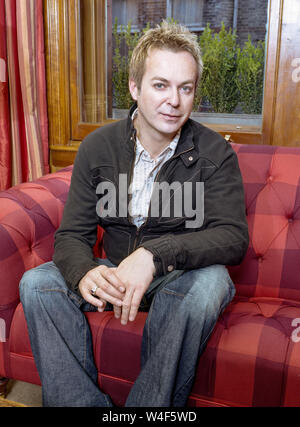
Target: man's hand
{"type": "Point", "coordinates": [109, 288]}
{"type": "Point", "coordinates": [136, 273]}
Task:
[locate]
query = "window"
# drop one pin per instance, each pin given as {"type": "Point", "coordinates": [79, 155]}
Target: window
{"type": "Point", "coordinates": [125, 11]}
{"type": "Point", "coordinates": [189, 13]}
{"type": "Point", "coordinates": [233, 95]}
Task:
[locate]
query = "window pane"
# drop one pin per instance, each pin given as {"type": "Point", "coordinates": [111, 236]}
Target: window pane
{"type": "Point", "coordinates": [125, 11]}
{"type": "Point", "coordinates": [189, 12]}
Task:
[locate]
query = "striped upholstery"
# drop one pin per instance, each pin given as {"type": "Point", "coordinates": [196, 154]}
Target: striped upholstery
{"type": "Point", "coordinates": [253, 355]}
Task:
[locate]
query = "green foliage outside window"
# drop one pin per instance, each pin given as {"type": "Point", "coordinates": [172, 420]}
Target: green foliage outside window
{"type": "Point", "coordinates": [122, 95]}
{"type": "Point", "coordinates": [232, 76]}
{"type": "Point", "coordinates": [250, 76]}
{"type": "Point", "coordinates": [218, 83]}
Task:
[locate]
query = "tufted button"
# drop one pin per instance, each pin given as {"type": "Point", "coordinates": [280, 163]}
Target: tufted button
{"type": "Point", "coordinates": [260, 258]}
{"type": "Point", "coordinates": [170, 268]}
{"type": "Point", "coordinates": [271, 178]}
{"type": "Point", "coordinates": [191, 158]}
{"type": "Point", "coordinates": [290, 219]}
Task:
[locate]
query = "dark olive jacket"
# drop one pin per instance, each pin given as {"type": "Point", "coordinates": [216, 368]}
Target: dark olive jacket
{"type": "Point", "coordinates": [202, 156]}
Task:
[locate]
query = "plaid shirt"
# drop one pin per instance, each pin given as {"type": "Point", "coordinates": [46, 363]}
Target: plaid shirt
{"type": "Point", "coordinates": [144, 173]}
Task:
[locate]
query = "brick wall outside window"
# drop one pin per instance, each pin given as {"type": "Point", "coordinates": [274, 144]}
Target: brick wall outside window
{"type": "Point", "coordinates": [252, 15]}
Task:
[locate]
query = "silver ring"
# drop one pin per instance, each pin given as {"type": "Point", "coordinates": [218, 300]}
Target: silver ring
{"type": "Point", "coordinates": [94, 289]}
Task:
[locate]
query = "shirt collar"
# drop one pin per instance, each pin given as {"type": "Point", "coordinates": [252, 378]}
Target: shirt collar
{"type": "Point", "coordinates": [140, 149]}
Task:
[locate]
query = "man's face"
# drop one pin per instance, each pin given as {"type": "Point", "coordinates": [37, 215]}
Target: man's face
{"type": "Point", "coordinates": [165, 99]}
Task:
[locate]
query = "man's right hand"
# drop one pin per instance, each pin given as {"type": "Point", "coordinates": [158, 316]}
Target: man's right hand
{"type": "Point", "coordinates": [109, 288]}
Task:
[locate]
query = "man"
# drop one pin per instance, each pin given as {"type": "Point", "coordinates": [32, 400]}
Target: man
{"type": "Point", "coordinates": [166, 255]}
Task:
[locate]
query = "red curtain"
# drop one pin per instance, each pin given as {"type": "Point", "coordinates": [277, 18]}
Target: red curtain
{"type": "Point", "coordinates": [23, 107]}
{"type": "Point", "coordinates": [5, 137]}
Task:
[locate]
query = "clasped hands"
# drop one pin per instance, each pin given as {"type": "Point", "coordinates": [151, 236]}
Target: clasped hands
{"type": "Point", "coordinates": [122, 286]}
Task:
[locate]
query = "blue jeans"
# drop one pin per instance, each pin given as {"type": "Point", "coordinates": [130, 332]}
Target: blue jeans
{"type": "Point", "coordinates": [183, 310]}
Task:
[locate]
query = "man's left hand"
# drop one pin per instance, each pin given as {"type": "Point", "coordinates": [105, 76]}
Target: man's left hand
{"type": "Point", "coordinates": [136, 273]}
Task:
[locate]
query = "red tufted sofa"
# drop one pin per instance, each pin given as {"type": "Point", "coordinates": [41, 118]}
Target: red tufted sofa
{"type": "Point", "coordinates": [253, 355]}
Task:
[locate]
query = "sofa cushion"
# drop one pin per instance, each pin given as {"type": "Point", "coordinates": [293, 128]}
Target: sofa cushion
{"type": "Point", "coordinates": [252, 358]}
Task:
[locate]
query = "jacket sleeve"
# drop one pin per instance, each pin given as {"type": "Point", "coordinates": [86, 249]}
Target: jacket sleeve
{"type": "Point", "coordinates": [223, 237]}
{"type": "Point", "coordinates": [77, 234]}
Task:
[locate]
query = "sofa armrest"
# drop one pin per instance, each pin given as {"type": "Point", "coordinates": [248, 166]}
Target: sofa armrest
{"type": "Point", "coordinates": [29, 216]}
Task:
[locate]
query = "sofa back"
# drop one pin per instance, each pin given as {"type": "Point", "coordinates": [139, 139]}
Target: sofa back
{"type": "Point", "coordinates": [271, 177]}
{"type": "Point", "coordinates": [29, 215]}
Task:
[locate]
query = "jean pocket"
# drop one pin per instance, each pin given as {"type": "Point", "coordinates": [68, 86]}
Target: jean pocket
{"type": "Point", "coordinates": [75, 298]}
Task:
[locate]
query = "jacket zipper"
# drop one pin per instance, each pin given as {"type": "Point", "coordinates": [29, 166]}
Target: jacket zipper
{"type": "Point", "coordinates": [156, 178]}
{"type": "Point", "coordinates": [131, 174]}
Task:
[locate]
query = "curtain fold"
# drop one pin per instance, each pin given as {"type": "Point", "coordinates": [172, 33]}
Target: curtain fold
{"type": "Point", "coordinates": [5, 136]}
{"type": "Point", "coordinates": [28, 138]}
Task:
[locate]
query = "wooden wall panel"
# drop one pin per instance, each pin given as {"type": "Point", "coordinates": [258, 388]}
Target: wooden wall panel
{"type": "Point", "coordinates": [272, 60]}
{"type": "Point", "coordinates": [56, 18]}
{"type": "Point", "coordinates": [57, 65]}
{"type": "Point", "coordinates": [287, 112]}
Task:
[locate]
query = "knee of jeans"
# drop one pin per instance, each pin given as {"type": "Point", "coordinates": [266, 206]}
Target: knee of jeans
{"type": "Point", "coordinates": [213, 291]}
{"type": "Point", "coordinates": [27, 287]}
{"type": "Point", "coordinates": [35, 279]}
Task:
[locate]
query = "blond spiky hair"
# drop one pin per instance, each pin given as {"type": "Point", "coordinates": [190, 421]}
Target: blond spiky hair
{"type": "Point", "coordinates": [169, 36]}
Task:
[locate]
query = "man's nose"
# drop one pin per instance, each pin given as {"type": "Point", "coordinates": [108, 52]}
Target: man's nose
{"type": "Point", "coordinates": [174, 98]}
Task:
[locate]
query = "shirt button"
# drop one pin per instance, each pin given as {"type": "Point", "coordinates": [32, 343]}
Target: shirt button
{"type": "Point", "coordinates": [170, 268]}
{"type": "Point", "coordinates": [191, 158]}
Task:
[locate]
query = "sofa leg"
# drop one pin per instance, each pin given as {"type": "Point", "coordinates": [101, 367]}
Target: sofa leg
{"type": "Point", "coordinates": [3, 386]}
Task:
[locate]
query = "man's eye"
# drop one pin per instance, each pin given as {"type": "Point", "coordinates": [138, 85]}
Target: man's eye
{"type": "Point", "coordinates": [159, 85]}
{"type": "Point", "coordinates": [186, 89]}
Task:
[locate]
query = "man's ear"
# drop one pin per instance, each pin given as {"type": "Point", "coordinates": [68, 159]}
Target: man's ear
{"type": "Point", "coordinates": [133, 89]}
